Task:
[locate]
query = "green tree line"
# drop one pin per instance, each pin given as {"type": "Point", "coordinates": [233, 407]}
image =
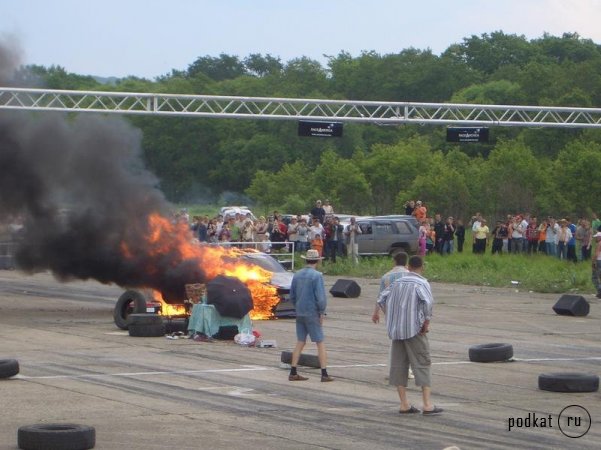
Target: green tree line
{"type": "Point", "coordinates": [374, 169]}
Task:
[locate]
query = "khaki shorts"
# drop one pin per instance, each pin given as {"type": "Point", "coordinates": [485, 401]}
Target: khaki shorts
{"type": "Point", "coordinates": [414, 352]}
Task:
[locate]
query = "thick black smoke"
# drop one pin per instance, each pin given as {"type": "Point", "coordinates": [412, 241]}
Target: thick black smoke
{"type": "Point", "coordinates": [80, 188]}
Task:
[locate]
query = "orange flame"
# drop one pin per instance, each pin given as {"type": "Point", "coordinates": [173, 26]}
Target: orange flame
{"type": "Point", "coordinates": [164, 237]}
{"type": "Point", "coordinates": [166, 308]}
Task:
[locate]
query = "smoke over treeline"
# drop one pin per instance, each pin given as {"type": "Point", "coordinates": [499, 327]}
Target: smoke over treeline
{"type": "Point", "coordinates": [80, 188]}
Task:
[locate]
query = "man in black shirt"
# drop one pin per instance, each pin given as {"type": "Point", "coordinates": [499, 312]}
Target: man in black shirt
{"type": "Point", "coordinates": [439, 230]}
{"type": "Point", "coordinates": [318, 212]}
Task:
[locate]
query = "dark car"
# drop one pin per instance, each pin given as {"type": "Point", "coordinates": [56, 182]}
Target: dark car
{"type": "Point", "coordinates": [387, 235]}
{"type": "Point", "coordinates": [141, 300]}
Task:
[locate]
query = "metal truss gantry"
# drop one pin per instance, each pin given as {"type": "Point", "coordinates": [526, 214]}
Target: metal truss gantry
{"type": "Point", "coordinates": [380, 113]}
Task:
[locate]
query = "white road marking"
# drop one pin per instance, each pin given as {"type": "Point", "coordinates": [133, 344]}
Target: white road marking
{"type": "Point", "coordinates": [239, 392]}
{"type": "Point", "coordinates": [263, 369]}
{"type": "Point", "coordinates": [140, 374]}
{"type": "Point", "coordinates": [590, 358]}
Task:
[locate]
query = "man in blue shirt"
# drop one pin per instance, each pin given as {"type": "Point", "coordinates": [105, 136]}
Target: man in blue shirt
{"type": "Point", "coordinates": [308, 295]}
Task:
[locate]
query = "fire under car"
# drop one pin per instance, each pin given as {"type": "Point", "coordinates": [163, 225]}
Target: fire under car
{"type": "Point", "coordinates": [136, 301]}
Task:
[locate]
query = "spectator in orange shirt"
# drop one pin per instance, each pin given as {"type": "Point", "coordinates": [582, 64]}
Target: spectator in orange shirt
{"type": "Point", "coordinates": [317, 244]}
{"type": "Point", "coordinates": [420, 211]}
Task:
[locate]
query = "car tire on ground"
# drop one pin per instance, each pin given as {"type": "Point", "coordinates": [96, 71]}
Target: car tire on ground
{"type": "Point", "coordinates": [8, 368]}
{"type": "Point", "coordinates": [568, 382]}
{"type": "Point", "coordinates": [304, 360]}
{"type": "Point", "coordinates": [491, 352]}
{"type": "Point", "coordinates": [56, 437]}
{"type": "Point", "coordinates": [147, 330]}
{"type": "Point", "coordinates": [144, 319]}
{"type": "Point", "coordinates": [130, 302]}
{"type": "Point", "coordinates": [395, 250]}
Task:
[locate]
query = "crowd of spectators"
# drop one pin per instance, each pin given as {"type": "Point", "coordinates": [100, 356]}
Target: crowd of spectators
{"type": "Point", "coordinates": [320, 230]}
{"type": "Point", "coordinates": [566, 239]}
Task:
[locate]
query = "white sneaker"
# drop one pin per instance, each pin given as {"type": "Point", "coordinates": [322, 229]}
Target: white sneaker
{"type": "Point", "coordinates": [411, 376]}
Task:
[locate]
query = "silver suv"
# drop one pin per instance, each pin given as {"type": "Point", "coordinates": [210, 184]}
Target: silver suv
{"type": "Point", "coordinates": [387, 235]}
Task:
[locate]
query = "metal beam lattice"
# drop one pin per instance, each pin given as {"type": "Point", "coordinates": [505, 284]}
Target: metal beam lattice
{"type": "Point", "coordinates": [381, 113]}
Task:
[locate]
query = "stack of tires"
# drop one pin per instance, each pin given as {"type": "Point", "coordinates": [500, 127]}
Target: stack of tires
{"type": "Point", "coordinates": [130, 302]}
{"type": "Point", "coordinates": [145, 325]}
{"type": "Point", "coordinates": [130, 314]}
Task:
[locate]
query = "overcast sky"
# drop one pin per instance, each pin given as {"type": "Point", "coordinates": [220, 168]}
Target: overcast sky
{"type": "Point", "coordinates": [148, 38]}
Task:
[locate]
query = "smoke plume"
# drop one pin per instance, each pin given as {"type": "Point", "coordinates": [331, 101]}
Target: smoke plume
{"type": "Point", "coordinates": [80, 188]}
{"type": "Point", "coordinates": [10, 57]}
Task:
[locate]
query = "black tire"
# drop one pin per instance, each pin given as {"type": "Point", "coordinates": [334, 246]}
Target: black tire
{"type": "Point", "coordinates": [56, 437]}
{"type": "Point", "coordinates": [144, 319]}
{"type": "Point", "coordinates": [399, 249]}
{"type": "Point", "coordinates": [8, 368]}
{"type": "Point", "coordinates": [176, 325]}
{"type": "Point", "coordinates": [152, 330]}
{"type": "Point", "coordinates": [304, 360]}
{"type": "Point", "coordinates": [568, 382]}
{"type": "Point", "coordinates": [491, 352]}
{"type": "Point", "coordinates": [130, 302]}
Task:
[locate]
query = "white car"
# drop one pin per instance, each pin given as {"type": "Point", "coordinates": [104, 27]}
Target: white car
{"type": "Point", "coordinates": [231, 211]}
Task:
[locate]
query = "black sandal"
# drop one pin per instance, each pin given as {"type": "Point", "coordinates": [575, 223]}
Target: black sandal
{"type": "Point", "coordinates": [412, 410]}
{"type": "Point", "coordinates": [432, 412]}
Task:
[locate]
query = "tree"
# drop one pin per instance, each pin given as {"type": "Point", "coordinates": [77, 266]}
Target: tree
{"type": "Point", "coordinates": [55, 77]}
{"type": "Point", "coordinates": [420, 76]}
{"type": "Point", "coordinates": [517, 170]}
{"type": "Point", "coordinates": [392, 168]}
{"type": "Point", "coordinates": [491, 93]}
{"type": "Point", "coordinates": [573, 173]}
{"type": "Point", "coordinates": [356, 78]}
{"type": "Point", "coordinates": [225, 67]}
{"type": "Point", "coordinates": [343, 183]}
{"type": "Point", "coordinates": [487, 53]}
{"type": "Point", "coordinates": [512, 178]}
{"type": "Point", "coordinates": [568, 47]}
{"type": "Point", "coordinates": [303, 77]}
{"type": "Point", "coordinates": [239, 159]}
{"type": "Point", "coordinates": [277, 189]}
{"type": "Point", "coordinates": [259, 65]}
{"type": "Point", "coordinates": [443, 189]}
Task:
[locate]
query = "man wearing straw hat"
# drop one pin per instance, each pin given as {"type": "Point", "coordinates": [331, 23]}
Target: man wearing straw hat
{"type": "Point", "coordinates": [308, 295]}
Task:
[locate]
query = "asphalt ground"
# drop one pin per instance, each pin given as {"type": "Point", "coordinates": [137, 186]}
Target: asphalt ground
{"type": "Point", "coordinates": [156, 393]}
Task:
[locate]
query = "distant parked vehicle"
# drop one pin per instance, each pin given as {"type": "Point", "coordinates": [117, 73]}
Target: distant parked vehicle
{"type": "Point", "coordinates": [231, 211]}
{"type": "Point", "coordinates": [387, 235]}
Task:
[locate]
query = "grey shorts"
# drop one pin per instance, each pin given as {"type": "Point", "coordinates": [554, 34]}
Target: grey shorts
{"type": "Point", "coordinates": [309, 325]}
{"type": "Point", "coordinates": [414, 352]}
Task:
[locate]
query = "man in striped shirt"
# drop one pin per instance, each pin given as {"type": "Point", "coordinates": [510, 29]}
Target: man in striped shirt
{"type": "Point", "coordinates": [407, 303]}
{"type": "Point", "coordinates": [399, 269]}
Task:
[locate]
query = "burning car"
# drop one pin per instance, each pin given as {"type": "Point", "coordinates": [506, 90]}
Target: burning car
{"type": "Point", "coordinates": [270, 292]}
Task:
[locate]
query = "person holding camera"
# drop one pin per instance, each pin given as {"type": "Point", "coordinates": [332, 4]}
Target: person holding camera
{"type": "Point", "coordinates": [352, 231]}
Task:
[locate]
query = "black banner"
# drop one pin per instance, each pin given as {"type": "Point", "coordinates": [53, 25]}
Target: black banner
{"type": "Point", "coordinates": [321, 129]}
{"type": "Point", "coordinates": [470, 134]}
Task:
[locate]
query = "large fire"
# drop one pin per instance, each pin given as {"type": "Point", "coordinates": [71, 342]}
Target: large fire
{"type": "Point", "coordinates": [164, 237]}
